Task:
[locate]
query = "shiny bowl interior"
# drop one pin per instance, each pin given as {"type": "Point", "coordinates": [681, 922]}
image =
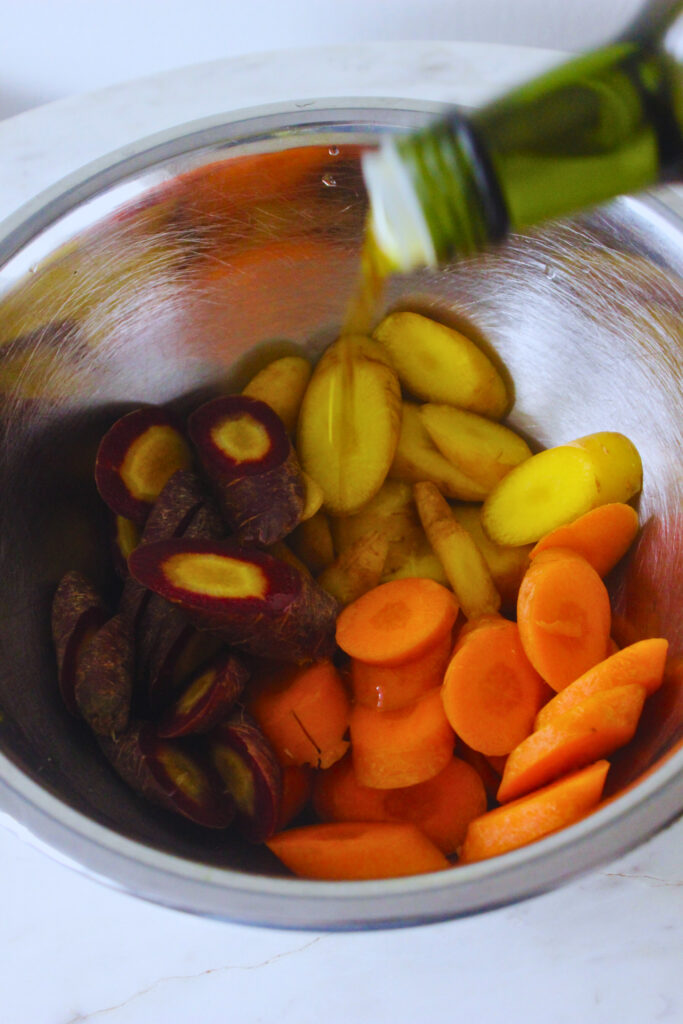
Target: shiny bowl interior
{"type": "Point", "coordinates": [136, 282]}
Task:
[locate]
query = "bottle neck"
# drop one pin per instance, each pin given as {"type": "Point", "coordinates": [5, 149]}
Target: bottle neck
{"type": "Point", "coordinates": [604, 124]}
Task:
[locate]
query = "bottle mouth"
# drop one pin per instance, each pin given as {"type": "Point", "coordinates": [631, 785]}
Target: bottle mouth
{"type": "Point", "coordinates": [396, 219]}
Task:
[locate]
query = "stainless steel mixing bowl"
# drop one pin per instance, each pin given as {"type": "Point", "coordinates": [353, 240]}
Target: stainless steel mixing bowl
{"type": "Point", "coordinates": [138, 281]}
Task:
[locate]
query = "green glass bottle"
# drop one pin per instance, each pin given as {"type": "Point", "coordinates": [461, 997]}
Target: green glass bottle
{"type": "Point", "coordinates": [604, 124]}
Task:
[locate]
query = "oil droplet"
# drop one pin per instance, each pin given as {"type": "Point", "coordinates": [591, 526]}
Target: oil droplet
{"type": "Point", "coordinates": [333, 151]}
{"type": "Point", "coordinates": [549, 272]}
{"type": "Point", "coordinates": [329, 180]}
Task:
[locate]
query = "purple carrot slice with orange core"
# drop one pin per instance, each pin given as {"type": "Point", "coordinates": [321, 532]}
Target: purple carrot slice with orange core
{"type": "Point", "coordinates": [168, 775]}
{"type": "Point", "coordinates": [246, 451]}
{"type": "Point", "coordinates": [208, 698]}
{"type": "Point", "coordinates": [136, 458]}
{"type": "Point", "coordinates": [251, 773]}
{"type": "Point", "coordinates": [77, 613]}
{"type": "Point", "coordinates": [255, 602]}
{"type": "Point", "coordinates": [180, 652]}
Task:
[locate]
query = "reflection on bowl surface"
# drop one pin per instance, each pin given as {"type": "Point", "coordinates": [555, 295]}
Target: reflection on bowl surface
{"type": "Point", "coordinates": [229, 252]}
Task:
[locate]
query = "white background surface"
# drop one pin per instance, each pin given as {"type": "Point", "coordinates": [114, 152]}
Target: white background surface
{"type": "Point", "coordinates": [604, 949]}
{"type": "Point", "coordinates": [55, 48]}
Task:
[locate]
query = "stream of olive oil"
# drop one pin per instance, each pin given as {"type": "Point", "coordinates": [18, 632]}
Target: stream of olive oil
{"type": "Point", "coordinates": [360, 315]}
{"type": "Point", "coordinates": [365, 300]}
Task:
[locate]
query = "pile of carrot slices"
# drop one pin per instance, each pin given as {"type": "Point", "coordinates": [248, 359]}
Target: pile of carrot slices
{"type": "Point", "coordinates": [444, 741]}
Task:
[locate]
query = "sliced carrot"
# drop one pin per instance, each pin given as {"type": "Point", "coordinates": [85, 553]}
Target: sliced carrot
{"type": "Point", "coordinates": [388, 687]}
{"type": "Point", "coordinates": [564, 616]}
{"type": "Point", "coordinates": [441, 807]}
{"type": "Point", "coordinates": [397, 621]}
{"type": "Point", "coordinates": [297, 787]}
{"type": "Point", "coordinates": [531, 817]}
{"type": "Point", "coordinates": [469, 625]}
{"type": "Point", "coordinates": [641, 663]}
{"type": "Point", "coordinates": [353, 851]}
{"type": "Point", "coordinates": [338, 796]}
{"type": "Point", "coordinates": [487, 772]}
{"type": "Point", "coordinates": [304, 713]}
{"type": "Point", "coordinates": [491, 693]}
{"type": "Point", "coordinates": [660, 729]}
{"type": "Point", "coordinates": [591, 730]}
{"type": "Point", "coordinates": [400, 748]}
{"type": "Point", "coordinates": [602, 536]}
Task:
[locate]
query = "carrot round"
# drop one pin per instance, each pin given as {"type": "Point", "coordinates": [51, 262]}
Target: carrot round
{"type": "Point", "coordinates": [531, 817]}
{"type": "Point", "coordinates": [641, 663]}
{"type": "Point", "coordinates": [593, 729]}
{"type": "Point", "coordinates": [441, 807]}
{"type": "Point", "coordinates": [388, 687]}
{"type": "Point", "coordinates": [483, 766]}
{"type": "Point", "coordinates": [338, 796]}
{"type": "Point", "coordinates": [304, 713]}
{"type": "Point", "coordinates": [491, 693]}
{"type": "Point", "coordinates": [564, 617]}
{"type": "Point", "coordinates": [602, 536]}
{"type": "Point", "coordinates": [353, 851]}
{"type": "Point", "coordinates": [297, 786]}
{"type": "Point", "coordinates": [397, 621]}
{"type": "Point", "coordinates": [403, 747]}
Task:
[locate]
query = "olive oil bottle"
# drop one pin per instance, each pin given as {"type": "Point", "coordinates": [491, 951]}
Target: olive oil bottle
{"type": "Point", "coordinates": [604, 124]}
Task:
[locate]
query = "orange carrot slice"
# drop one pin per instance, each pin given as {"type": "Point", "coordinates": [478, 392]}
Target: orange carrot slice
{"type": "Point", "coordinates": [297, 787]}
{"type": "Point", "coordinates": [304, 713]}
{"type": "Point", "coordinates": [441, 807]}
{"type": "Point", "coordinates": [564, 616]}
{"type": "Point", "coordinates": [531, 817]}
{"type": "Point", "coordinates": [660, 730]}
{"type": "Point", "coordinates": [403, 747]}
{"type": "Point", "coordinates": [491, 693]}
{"type": "Point", "coordinates": [338, 796]}
{"type": "Point", "coordinates": [388, 687]}
{"type": "Point", "coordinates": [593, 729]}
{"type": "Point", "coordinates": [397, 621]}
{"type": "Point", "coordinates": [601, 536]}
{"type": "Point", "coordinates": [353, 851]}
{"type": "Point", "coordinates": [485, 769]}
{"type": "Point", "coordinates": [641, 663]}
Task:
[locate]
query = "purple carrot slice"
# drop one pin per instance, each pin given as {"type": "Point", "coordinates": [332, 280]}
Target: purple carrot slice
{"type": "Point", "coordinates": [179, 499]}
{"type": "Point", "coordinates": [251, 773]}
{"type": "Point", "coordinates": [182, 509]}
{"type": "Point", "coordinates": [179, 652]}
{"type": "Point", "coordinates": [208, 699]}
{"type": "Point", "coordinates": [255, 602]}
{"type": "Point", "coordinates": [246, 452]}
{"type": "Point", "coordinates": [77, 614]}
{"type": "Point", "coordinates": [136, 458]}
{"type": "Point", "coordinates": [104, 678]}
{"type": "Point", "coordinates": [165, 773]}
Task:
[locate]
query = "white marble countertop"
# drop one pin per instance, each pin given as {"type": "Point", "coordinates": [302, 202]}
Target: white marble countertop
{"type": "Point", "coordinates": [602, 949]}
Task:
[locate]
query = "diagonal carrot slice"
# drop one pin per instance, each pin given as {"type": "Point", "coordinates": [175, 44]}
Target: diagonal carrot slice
{"type": "Point", "coordinates": [531, 817]}
{"type": "Point", "coordinates": [346, 851]}
{"type": "Point", "coordinates": [595, 728]}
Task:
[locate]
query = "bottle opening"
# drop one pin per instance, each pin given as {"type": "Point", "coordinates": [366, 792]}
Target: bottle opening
{"type": "Point", "coordinates": [396, 221]}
